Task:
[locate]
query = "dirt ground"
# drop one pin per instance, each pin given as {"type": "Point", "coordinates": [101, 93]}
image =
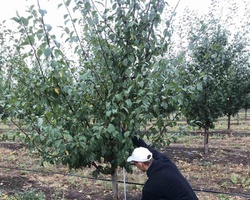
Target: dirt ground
{"type": "Point", "coordinates": [225, 169]}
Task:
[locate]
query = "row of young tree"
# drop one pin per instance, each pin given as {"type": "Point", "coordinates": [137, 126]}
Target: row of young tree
{"type": "Point", "coordinates": [118, 67]}
{"type": "Point", "coordinates": [225, 81]}
{"type": "Point", "coordinates": [218, 51]}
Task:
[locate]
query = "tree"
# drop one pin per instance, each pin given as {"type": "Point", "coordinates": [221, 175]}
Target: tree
{"type": "Point", "coordinates": [7, 60]}
{"type": "Point", "coordinates": [234, 84]}
{"type": "Point", "coordinates": [118, 78]}
{"type": "Point", "coordinates": [207, 58]}
{"type": "Point", "coordinates": [213, 53]}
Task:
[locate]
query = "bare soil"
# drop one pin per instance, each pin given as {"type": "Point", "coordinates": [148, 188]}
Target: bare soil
{"type": "Point", "coordinates": [225, 169]}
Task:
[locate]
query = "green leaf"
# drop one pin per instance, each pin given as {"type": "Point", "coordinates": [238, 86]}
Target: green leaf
{"type": "Point", "coordinates": [65, 16]}
{"type": "Point", "coordinates": [68, 2]}
{"type": "Point", "coordinates": [24, 21]}
{"type": "Point", "coordinates": [58, 53]}
{"type": "Point", "coordinates": [59, 5]}
{"type": "Point", "coordinates": [16, 19]}
{"type": "Point", "coordinates": [40, 35]}
{"type": "Point", "coordinates": [119, 97]}
{"type": "Point", "coordinates": [43, 46]}
{"type": "Point", "coordinates": [74, 39]}
{"type": "Point", "coordinates": [67, 30]}
{"type": "Point", "coordinates": [207, 56]}
{"type": "Point", "coordinates": [48, 27]}
{"type": "Point", "coordinates": [111, 128]}
{"type": "Point", "coordinates": [114, 6]}
{"type": "Point", "coordinates": [108, 113]}
{"type": "Point", "coordinates": [47, 52]}
{"type": "Point", "coordinates": [127, 134]}
{"type": "Point", "coordinates": [131, 58]}
{"type": "Point", "coordinates": [129, 103]}
{"type": "Point", "coordinates": [31, 39]}
{"type": "Point", "coordinates": [68, 137]}
{"type": "Point", "coordinates": [125, 62]}
{"type": "Point", "coordinates": [42, 12]}
{"type": "Point", "coordinates": [87, 5]}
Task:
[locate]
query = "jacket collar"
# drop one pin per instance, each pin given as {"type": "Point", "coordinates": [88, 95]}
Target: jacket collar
{"type": "Point", "coordinates": [151, 168]}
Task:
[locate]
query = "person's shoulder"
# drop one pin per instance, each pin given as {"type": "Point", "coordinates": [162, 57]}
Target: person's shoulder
{"type": "Point", "coordinates": [165, 164]}
{"type": "Point", "coordinates": [163, 158]}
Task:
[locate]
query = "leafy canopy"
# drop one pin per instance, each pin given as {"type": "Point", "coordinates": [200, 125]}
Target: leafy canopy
{"type": "Point", "coordinates": [73, 98]}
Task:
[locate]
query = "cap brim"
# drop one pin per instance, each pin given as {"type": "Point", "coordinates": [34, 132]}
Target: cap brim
{"type": "Point", "coordinates": [130, 158]}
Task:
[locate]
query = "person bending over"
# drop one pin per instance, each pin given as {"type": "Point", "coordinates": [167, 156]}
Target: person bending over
{"type": "Point", "coordinates": [165, 181]}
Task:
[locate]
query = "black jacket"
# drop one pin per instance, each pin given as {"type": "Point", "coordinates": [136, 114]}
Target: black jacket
{"type": "Point", "coordinates": [165, 181]}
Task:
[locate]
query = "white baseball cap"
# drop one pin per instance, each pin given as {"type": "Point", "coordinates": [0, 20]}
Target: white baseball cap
{"type": "Point", "coordinates": [140, 154]}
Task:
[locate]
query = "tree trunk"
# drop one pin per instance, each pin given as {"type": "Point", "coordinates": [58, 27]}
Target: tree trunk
{"type": "Point", "coordinates": [115, 185]}
{"type": "Point", "coordinates": [245, 114]}
{"type": "Point", "coordinates": [206, 135]}
{"type": "Point", "coordinates": [228, 122]}
{"type": "Point", "coordinates": [238, 118]}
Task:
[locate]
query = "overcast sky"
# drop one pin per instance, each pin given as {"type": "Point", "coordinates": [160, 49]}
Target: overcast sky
{"type": "Point", "coordinates": [8, 8]}
{"type": "Point", "coordinates": [54, 16]}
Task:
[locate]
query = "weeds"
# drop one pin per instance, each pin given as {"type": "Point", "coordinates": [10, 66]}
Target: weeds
{"type": "Point", "coordinates": [27, 195]}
